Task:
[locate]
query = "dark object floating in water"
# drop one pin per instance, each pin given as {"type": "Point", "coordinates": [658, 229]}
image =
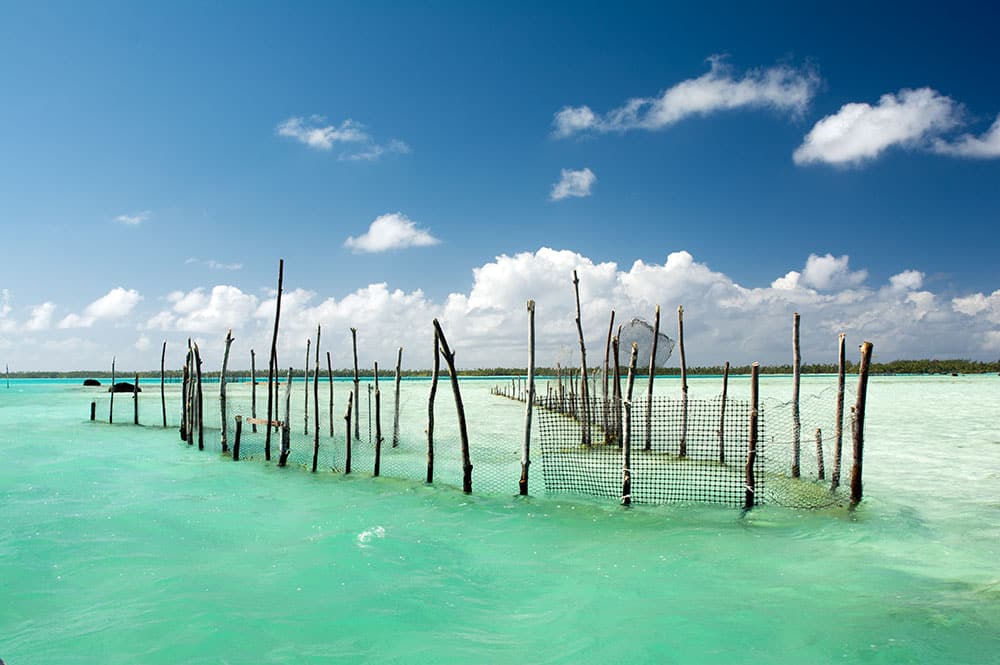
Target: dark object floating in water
{"type": "Point", "coordinates": [91, 382]}
{"type": "Point", "coordinates": [954, 373]}
{"type": "Point", "coordinates": [124, 387]}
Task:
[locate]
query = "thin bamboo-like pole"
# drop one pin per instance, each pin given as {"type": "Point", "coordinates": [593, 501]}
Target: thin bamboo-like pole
{"type": "Point", "coordinates": [449, 358]}
{"type": "Point", "coordinates": [378, 425]}
{"type": "Point", "coordinates": [184, 402]}
{"type": "Point", "coordinates": [329, 376]}
{"type": "Point", "coordinates": [286, 428]}
{"type": "Point", "coordinates": [751, 482]}
{"type": "Point", "coordinates": [430, 409]}
{"type": "Point", "coordinates": [796, 379]}
{"type": "Point", "coordinates": [316, 405]}
{"type": "Point", "coordinates": [618, 386]}
{"type": "Point", "coordinates": [859, 422]}
{"type": "Point", "coordinates": [529, 402]}
{"type": "Point", "coordinates": [584, 389]}
{"type": "Point", "coordinates": [347, 431]}
{"type": "Point", "coordinates": [838, 441]}
{"type": "Point", "coordinates": [191, 391]}
{"type": "Point", "coordinates": [605, 411]}
{"type": "Point", "coordinates": [222, 389]}
{"type": "Point", "coordinates": [271, 367]}
{"type": "Point", "coordinates": [163, 394]}
{"type": "Point", "coordinates": [135, 400]}
{"type": "Point", "coordinates": [627, 436]}
{"type": "Point", "coordinates": [684, 381]}
{"type": "Point", "coordinates": [652, 375]}
{"type": "Point", "coordinates": [111, 408]}
{"type": "Point", "coordinates": [200, 398]}
{"type": "Point", "coordinates": [357, 383]}
{"type": "Point", "coordinates": [820, 468]}
{"type": "Point", "coordinates": [395, 412]}
{"type": "Point", "coordinates": [722, 414]}
{"type": "Point", "coordinates": [305, 390]}
{"type": "Point", "coordinates": [253, 390]}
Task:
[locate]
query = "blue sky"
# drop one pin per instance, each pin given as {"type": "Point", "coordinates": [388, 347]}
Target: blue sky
{"type": "Point", "coordinates": [152, 153]}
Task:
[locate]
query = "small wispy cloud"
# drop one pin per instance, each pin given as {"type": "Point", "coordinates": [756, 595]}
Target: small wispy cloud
{"type": "Point", "coordinates": [782, 88]}
{"type": "Point", "coordinates": [316, 133]}
{"type": "Point", "coordinates": [373, 151]}
{"type": "Point", "coordinates": [212, 264]}
{"type": "Point", "coordinates": [134, 219]}
{"type": "Point", "coordinates": [392, 231]}
{"type": "Point", "coordinates": [573, 183]}
{"type": "Point", "coordinates": [986, 146]}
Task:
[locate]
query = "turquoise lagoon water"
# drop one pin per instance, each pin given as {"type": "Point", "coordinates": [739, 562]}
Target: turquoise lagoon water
{"type": "Point", "coordinates": [123, 545]}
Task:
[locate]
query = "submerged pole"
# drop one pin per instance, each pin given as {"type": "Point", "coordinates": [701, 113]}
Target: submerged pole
{"type": "Point", "coordinates": [722, 414]}
{"type": "Point", "coordinates": [430, 409]}
{"type": "Point", "coordinates": [184, 404]}
{"type": "Point", "coordinates": [189, 397]}
{"type": "Point", "coordinates": [395, 413]}
{"type": "Point", "coordinates": [236, 442]}
{"type": "Point", "coordinates": [859, 421]}
{"type": "Point", "coordinates": [271, 367]}
{"type": "Point", "coordinates": [357, 383]}
{"type": "Point", "coordinates": [652, 375]}
{"type": "Point", "coordinates": [222, 389]}
{"type": "Point", "coordinates": [751, 482]}
{"type": "Point", "coordinates": [796, 379]}
{"type": "Point", "coordinates": [838, 434]}
{"type": "Point", "coordinates": [163, 395]}
{"type": "Point", "coordinates": [529, 402]}
{"type": "Point", "coordinates": [449, 358]}
{"type": "Point", "coordinates": [684, 382]}
{"type": "Point", "coordinates": [627, 436]}
{"type": "Point", "coordinates": [93, 411]}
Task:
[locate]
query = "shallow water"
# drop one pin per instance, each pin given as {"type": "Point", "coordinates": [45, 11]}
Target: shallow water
{"type": "Point", "coordinates": [123, 545]}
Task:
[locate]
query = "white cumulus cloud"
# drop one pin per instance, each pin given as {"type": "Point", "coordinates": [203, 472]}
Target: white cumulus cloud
{"type": "Point", "coordinates": [907, 280]}
{"type": "Point", "coordinates": [115, 304]}
{"type": "Point", "coordinates": [573, 183]}
{"type": "Point", "coordinates": [986, 146]}
{"type": "Point", "coordinates": [41, 317]}
{"type": "Point", "coordinates": [391, 231]}
{"type": "Point", "coordinates": [781, 88]}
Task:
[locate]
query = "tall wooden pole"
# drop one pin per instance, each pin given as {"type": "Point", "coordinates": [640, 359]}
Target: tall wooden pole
{"type": "Point", "coordinates": [684, 382]}
{"type": "Point", "coordinates": [617, 386]}
{"type": "Point", "coordinates": [722, 414]}
{"type": "Point", "coordinates": [347, 431]}
{"type": "Point", "coordinates": [395, 412]}
{"type": "Point", "coordinates": [316, 405]}
{"type": "Point", "coordinates": [111, 409]}
{"type": "Point", "coordinates": [627, 436]}
{"type": "Point", "coordinates": [163, 394]}
{"type": "Point", "coordinates": [378, 425]}
{"type": "Point", "coordinates": [253, 390]}
{"type": "Point", "coordinates": [222, 389]}
{"type": "Point", "coordinates": [859, 422]}
{"type": "Point", "coordinates": [529, 402]}
{"type": "Point", "coordinates": [357, 384]}
{"type": "Point", "coordinates": [652, 375]}
{"type": "Point", "coordinates": [305, 390]}
{"type": "Point", "coordinates": [751, 481]}
{"type": "Point", "coordinates": [605, 411]}
{"type": "Point", "coordinates": [584, 390]}
{"type": "Point", "coordinates": [838, 441]}
{"type": "Point", "coordinates": [271, 368]}
{"type": "Point", "coordinates": [449, 358]}
{"type": "Point", "coordinates": [430, 409]}
{"type": "Point", "coordinates": [184, 391]}
{"type": "Point", "coordinates": [200, 398]}
{"type": "Point", "coordinates": [329, 376]}
{"type": "Point", "coordinates": [796, 379]}
{"type": "Point", "coordinates": [286, 427]}
{"type": "Point", "coordinates": [191, 391]}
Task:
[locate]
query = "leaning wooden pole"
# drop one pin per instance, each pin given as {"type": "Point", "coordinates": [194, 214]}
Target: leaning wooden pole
{"type": "Point", "coordinates": [316, 405]}
{"type": "Point", "coordinates": [329, 376]}
{"type": "Point", "coordinates": [111, 408]}
{"type": "Point", "coordinates": [751, 481]}
{"type": "Point", "coordinates": [584, 389]}
{"type": "Point", "coordinates": [684, 382]}
{"type": "Point", "coordinates": [357, 384]}
{"type": "Point", "coordinates": [652, 375]}
{"type": "Point", "coordinates": [796, 380]}
{"type": "Point", "coordinates": [605, 411]}
{"type": "Point", "coordinates": [253, 391]}
{"type": "Point", "coordinates": [271, 369]}
{"type": "Point", "coordinates": [838, 442]}
{"type": "Point", "coordinates": [222, 389]}
{"type": "Point", "coordinates": [135, 400]}
{"type": "Point", "coordinates": [529, 403]}
{"type": "Point", "coordinates": [200, 399]}
{"type": "Point", "coordinates": [627, 435]}
{"type": "Point", "coordinates": [859, 422]}
{"type": "Point", "coordinates": [722, 414]}
{"type": "Point", "coordinates": [449, 358]}
{"type": "Point", "coordinates": [395, 412]}
{"type": "Point", "coordinates": [163, 394]}
{"type": "Point", "coordinates": [305, 389]}
{"type": "Point", "coordinates": [347, 431]}
{"type": "Point", "coordinates": [430, 408]}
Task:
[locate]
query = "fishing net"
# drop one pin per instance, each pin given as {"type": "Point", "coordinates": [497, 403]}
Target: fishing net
{"type": "Point", "coordinates": [640, 333]}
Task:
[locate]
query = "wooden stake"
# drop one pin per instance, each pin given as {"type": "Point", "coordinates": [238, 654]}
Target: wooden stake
{"type": "Point", "coordinates": [253, 390]}
{"type": "Point", "coordinates": [395, 413]}
{"type": "Point", "coordinates": [449, 358]}
{"type": "Point", "coordinates": [286, 428]}
{"type": "Point", "coordinates": [201, 399]}
{"type": "Point", "coordinates": [430, 410]}
{"type": "Point", "coordinates": [236, 442]}
{"type": "Point", "coordinates": [605, 410]}
{"type": "Point", "coordinates": [111, 409]}
{"type": "Point", "coordinates": [584, 389]}
{"type": "Point", "coordinates": [529, 402]}
{"type": "Point", "coordinates": [652, 375]}
{"type": "Point", "coordinates": [347, 431]}
{"type": "Point", "coordinates": [93, 410]}
{"type": "Point", "coordinates": [135, 400]}
{"type": "Point", "coordinates": [305, 390]}
{"type": "Point", "coordinates": [271, 367]}
{"type": "Point", "coordinates": [190, 394]}
{"type": "Point", "coordinates": [184, 404]}
{"type": "Point", "coordinates": [820, 469]}
{"type": "Point", "coordinates": [163, 395]}
{"type": "Point", "coordinates": [722, 414]}
{"type": "Point", "coordinates": [684, 382]}
{"type": "Point", "coordinates": [751, 482]}
{"type": "Point", "coordinates": [378, 425]}
{"type": "Point", "coordinates": [222, 388]}
{"type": "Point", "coordinates": [859, 423]}
{"type": "Point", "coordinates": [329, 376]}
{"type": "Point", "coordinates": [617, 387]}
{"type": "Point", "coordinates": [357, 383]}
{"type": "Point", "coordinates": [316, 405]}
{"type": "Point", "coordinates": [796, 378]}
{"type": "Point", "coordinates": [627, 436]}
{"type": "Point", "coordinates": [838, 441]}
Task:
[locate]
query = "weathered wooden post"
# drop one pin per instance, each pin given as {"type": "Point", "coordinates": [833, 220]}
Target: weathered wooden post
{"type": "Point", "coordinates": [236, 442]}
{"type": "Point", "coordinates": [222, 388]}
{"type": "Point", "coordinates": [449, 358]}
{"type": "Point", "coordinates": [627, 435]}
{"type": "Point", "coordinates": [93, 410]}
{"type": "Point", "coordinates": [605, 410]}
{"type": "Point", "coordinates": [395, 413]}
{"type": "Point", "coordinates": [201, 399]}
{"type": "Point", "coordinates": [357, 383]}
{"type": "Point", "coordinates": [329, 376]}
{"type": "Point", "coordinates": [190, 397]}
{"type": "Point", "coordinates": [722, 414]}
{"type": "Point", "coordinates": [305, 390]}
{"type": "Point", "coordinates": [378, 425]}
{"type": "Point", "coordinates": [347, 431]}
{"type": "Point", "coordinates": [135, 400]}
{"type": "Point", "coordinates": [430, 410]}
{"type": "Point", "coordinates": [316, 405]}
{"type": "Point", "coordinates": [529, 402]}
{"type": "Point", "coordinates": [253, 391]}
{"type": "Point", "coordinates": [111, 409]}
{"type": "Point", "coordinates": [751, 482]}
{"type": "Point", "coordinates": [271, 367]}
{"type": "Point", "coordinates": [618, 386]}
{"type": "Point", "coordinates": [163, 395]}
{"type": "Point", "coordinates": [820, 469]}
{"type": "Point", "coordinates": [684, 382]}
{"type": "Point", "coordinates": [184, 403]}
{"type": "Point", "coordinates": [859, 420]}
{"type": "Point", "coordinates": [286, 428]}
{"type": "Point", "coordinates": [652, 375]}
{"type": "Point", "coordinates": [796, 379]}
{"type": "Point", "coordinates": [839, 426]}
